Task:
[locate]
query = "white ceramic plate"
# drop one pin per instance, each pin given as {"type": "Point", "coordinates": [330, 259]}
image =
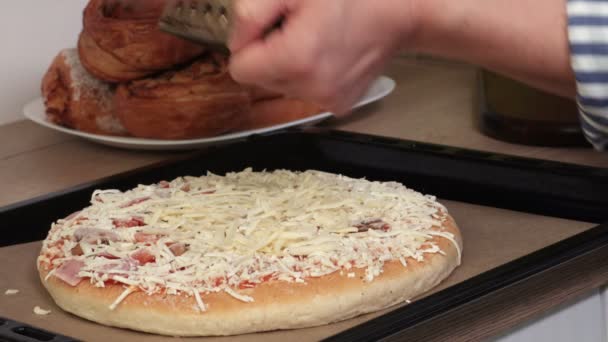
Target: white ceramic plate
{"type": "Point", "coordinates": [35, 111]}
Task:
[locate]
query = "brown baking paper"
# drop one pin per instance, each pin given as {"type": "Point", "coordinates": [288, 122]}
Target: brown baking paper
{"type": "Point", "coordinates": [492, 237]}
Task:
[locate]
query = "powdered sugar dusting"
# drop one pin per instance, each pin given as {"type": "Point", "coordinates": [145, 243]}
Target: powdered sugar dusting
{"type": "Point", "coordinates": [82, 81]}
{"type": "Point", "coordinates": [110, 123]}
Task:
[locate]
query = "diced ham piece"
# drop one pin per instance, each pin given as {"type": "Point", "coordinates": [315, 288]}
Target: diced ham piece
{"type": "Point", "coordinates": [74, 216]}
{"type": "Point", "coordinates": [77, 251]}
{"type": "Point", "coordinates": [143, 256]}
{"type": "Point", "coordinates": [163, 193]}
{"type": "Point", "coordinates": [375, 224]}
{"type": "Point", "coordinates": [217, 282]}
{"type": "Point", "coordinates": [92, 235]}
{"type": "Point", "coordinates": [186, 187]}
{"type": "Point", "coordinates": [81, 219]}
{"type": "Point", "coordinates": [247, 285]}
{"type": "Point", "coordinates": [129, 223]}
{"type": "Point", "coordinates": [178, 248]}
{"type": "Point", "coordinates": [127, 264]}
{"type": "Point", "coordinates": [134, 202]}
{"type": "Point", "coordinates": [107, 256]}
{"type": "Point", "coordinates": [114, 268]}
{"type": "Point", "coordinates": [164, 185]}
{"type": "Point", "coordinates": [68, 272]}
{"type": "Point", "coordinates": [145, 238]}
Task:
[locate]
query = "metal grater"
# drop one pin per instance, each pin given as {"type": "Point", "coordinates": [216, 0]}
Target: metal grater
{"type": "Point", "coordinates": [206, 22]}
{"type": "Point", "coordinates": [203, 21]}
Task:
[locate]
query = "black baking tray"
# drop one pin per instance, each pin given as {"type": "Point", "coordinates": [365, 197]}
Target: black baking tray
{"type": "Point", "coordinates": [502, 181]}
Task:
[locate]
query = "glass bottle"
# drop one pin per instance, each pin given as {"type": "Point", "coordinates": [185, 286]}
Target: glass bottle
{"type": "Point", "coordinates": [516, 113]}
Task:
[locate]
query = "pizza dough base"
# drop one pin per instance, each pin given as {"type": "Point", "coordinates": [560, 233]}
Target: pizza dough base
{"type": "Point", "coordinates": [278, 305]}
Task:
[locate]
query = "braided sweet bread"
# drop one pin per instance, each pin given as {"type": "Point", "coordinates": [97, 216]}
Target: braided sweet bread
{"type": "Point", "coordinates": [122, 42]}
{"type": "Point", "coordinates": [199, 100]}
{"type": "Point", "coordinates": [75, 99]}
{"type": "Point", "coordinates": [129, 78]}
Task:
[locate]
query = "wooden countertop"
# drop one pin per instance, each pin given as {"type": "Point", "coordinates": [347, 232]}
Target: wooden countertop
{"type": "Point", "coordinates": [433, 102]}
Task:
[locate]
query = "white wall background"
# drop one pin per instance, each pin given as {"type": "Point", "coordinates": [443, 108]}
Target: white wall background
{"type": "Point", "coordinates": [31, 33]}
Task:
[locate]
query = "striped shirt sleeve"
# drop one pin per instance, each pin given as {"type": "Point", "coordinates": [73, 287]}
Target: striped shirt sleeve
{"type": "Point", "coordinates": [588, 35]}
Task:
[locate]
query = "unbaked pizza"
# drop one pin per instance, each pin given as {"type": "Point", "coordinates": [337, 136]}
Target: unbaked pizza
{"type": "Point", "coordinates": [247, 252]}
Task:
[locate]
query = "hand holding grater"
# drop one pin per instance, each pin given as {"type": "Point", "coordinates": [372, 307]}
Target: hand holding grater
{"type": "Point", "coordinates": [207, 22]}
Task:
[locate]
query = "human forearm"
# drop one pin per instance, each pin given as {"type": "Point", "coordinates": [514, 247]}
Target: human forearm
{"type": "Point", "coordinates": [526, 40]}
{"type": "Point", "coordinates": [329, 52]}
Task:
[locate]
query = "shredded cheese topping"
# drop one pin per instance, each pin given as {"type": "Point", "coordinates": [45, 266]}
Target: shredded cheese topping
{"type": "Point", "coordinates": [42, 312]}
{"type": "Point", "coordinates": [11, 292]}
{"type": "Point", "coordinates": [229, 233]}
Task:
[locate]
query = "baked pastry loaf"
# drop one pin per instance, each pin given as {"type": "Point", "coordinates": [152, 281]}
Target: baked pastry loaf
{"type": "Point", "coordinates": [75, 99]}
{"type": "Point", "coordinates": [261, 94]}
{"type": "Point", "coordinates": [121, 41]}
{"type": "Point", "coordinates": [199, 100]}
{"type": "Point", "coordinates": [278, 111]}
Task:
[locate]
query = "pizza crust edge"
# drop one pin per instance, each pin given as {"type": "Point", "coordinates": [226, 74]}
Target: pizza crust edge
{"type": "Point", "coordinates": [278, 305]}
